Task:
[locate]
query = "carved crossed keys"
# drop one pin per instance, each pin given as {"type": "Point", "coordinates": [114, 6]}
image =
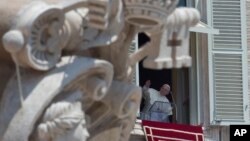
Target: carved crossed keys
{"type": "Point", "coordinates": [169, 45]}
{"type": "Point", "coordinates": [172, 50]}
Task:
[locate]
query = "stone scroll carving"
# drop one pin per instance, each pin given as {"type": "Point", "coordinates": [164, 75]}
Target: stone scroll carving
{"type": "Point", "coordinates": [34, 39]}
{"type": "Point", "coordinates": [73, 78]}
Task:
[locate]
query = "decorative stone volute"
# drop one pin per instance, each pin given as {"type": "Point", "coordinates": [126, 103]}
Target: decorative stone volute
{"type": "Point", "coordinates": [37, 30]}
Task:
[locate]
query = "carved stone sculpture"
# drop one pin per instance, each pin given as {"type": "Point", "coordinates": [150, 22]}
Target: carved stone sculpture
{"type": "Point", "coordinates": [73, 72]}
{"type": "Point", "coordinates": [60, 119]}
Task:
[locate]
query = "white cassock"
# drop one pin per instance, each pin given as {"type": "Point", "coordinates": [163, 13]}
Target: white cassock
{"type": "Point", "coordinates": [157, 107]}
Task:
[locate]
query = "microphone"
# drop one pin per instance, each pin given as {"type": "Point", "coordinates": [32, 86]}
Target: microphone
{"type": "Point", "coordinates": [174, 105]}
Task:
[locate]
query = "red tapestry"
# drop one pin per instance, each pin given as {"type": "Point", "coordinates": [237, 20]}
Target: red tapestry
{"type": "Point", "coordinates": [158, 131]}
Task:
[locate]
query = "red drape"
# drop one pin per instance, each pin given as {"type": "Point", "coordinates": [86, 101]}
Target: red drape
{"type": "Point", "coordinates": [158, 131]}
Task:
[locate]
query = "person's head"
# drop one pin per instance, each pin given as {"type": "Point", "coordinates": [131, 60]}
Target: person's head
{"type": "Point", "coordinates": [148, 83]}
{"type": "Point", "coordinates": [63, 121]}
{"type": "Point", "coordinates": [165, 89]}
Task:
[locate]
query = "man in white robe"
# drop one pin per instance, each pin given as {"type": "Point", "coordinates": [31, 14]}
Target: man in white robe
{"type": "Point", "coordinates": [157, 107]}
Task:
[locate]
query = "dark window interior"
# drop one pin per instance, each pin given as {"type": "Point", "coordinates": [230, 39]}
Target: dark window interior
{"type": "Point", "coordinates": [157, 77]}
{"type": "Point", "coordinates": [182, 3]}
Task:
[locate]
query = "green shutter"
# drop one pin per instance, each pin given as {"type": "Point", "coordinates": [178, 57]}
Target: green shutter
{"type": "Point", "coordinates": [228, 70]}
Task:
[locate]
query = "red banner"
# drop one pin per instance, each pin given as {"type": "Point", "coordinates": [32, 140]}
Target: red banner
{"type": "Point", "coordinates": [158, 131]}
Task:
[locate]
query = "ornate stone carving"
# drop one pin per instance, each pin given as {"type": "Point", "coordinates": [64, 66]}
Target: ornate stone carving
{"type": "Point", "coordinates": [169, 46]}
{"type": "Point", "coordinates": [40, 89]}
{"type": "Point", "coordinates": [63, 121]}
{"type": "Point", "coordinates": [115, 124]}
{"type": "Point", "coordinates": [148, 13]}
{"type": "Point", "coordinates": [75, 66]}
{"type": "Point", "coordinates": [34, 40]}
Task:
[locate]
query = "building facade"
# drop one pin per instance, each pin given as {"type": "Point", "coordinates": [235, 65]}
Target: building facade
{"type": "Point", "coordinates": [215, 91]}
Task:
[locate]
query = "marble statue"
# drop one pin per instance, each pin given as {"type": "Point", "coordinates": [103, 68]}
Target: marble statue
{"type": "Point", "coordinates": [65, 69]}
{"type": "Point", "coordinates": [58, 121]}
